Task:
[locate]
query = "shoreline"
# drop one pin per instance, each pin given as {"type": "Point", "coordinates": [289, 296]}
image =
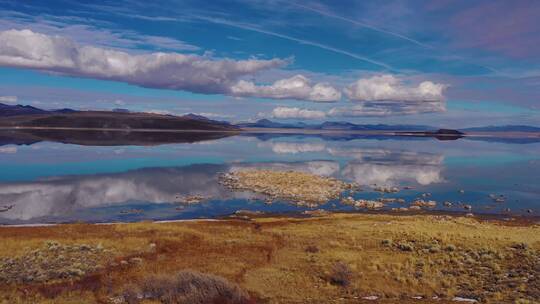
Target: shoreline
{"type": "Point", "coordinates": [295, 131]}
{"type": "Point", "coordinates": [518, 220]}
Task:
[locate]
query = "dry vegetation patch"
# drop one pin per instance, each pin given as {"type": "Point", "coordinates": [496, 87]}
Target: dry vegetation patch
{"type": "Point", "coordinates": [54, 261]}
{"type": "Point", "coordinates": [483, 272]}
{"type": "Point", "coordinates": [335, 258]}
{"type": "Point", "coordinates": [185, 287]}
{"type": "Point", "coordinates": [287, 185]}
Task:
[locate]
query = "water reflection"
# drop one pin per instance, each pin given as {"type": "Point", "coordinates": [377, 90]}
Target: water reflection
{"type": "Point", "coordinates": [58, 196]}
{"type": "Point", "coordinates": [97, 183]}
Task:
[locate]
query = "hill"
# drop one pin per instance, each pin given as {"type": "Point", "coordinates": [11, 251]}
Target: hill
{"type": "Point", "coordinates": [27, 116]}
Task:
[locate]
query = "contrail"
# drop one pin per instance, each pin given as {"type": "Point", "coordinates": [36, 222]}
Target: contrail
{"type": "Point", "coordinates": [362, 24]}
{"type": "Point", "coordinates": [301, 41]}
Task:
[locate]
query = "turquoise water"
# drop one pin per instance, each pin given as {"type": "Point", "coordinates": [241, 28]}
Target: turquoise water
{"type": "Point", "coordinates": [55, 182]}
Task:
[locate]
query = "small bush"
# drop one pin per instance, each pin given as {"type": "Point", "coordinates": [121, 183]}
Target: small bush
{"type": "Point", "coordinates": [405, 247]}
{"type": "Point", "coordinates": [187, 287]}
{"type": "Point", "coordinates": [450, 248]}
{"type": "Point", "coordinates": [312, 249]}
{"type": "Point", "coordinates": [386, 242]}
{"type": "Point", "coordinates": [132, 294]}
{"type": "Point", "coordinates": [341, 274]}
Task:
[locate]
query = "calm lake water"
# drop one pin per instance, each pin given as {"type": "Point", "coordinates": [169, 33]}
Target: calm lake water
{"type": "Point", "coordinates": [48, 182]}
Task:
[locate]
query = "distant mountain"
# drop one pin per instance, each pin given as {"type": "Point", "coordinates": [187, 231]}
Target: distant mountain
{"type": "Point", "coordinates": [509, 128]}
{"type": "Point", "coordinates": [28, 116]}
{"type": "Point", "coordinates": [104, 137]}
{"type": "Point", "coordinates": [16, 110]}
{"type": "Point", "coordinates": [266, 123]}
{"type": "Point", "coordinates": [334, 125]}
{"type": "Point", "coordinates": [9, 110]}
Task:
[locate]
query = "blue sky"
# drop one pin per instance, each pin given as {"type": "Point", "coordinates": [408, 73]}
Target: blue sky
{"type": "Point", "coordinates": [445, 63]}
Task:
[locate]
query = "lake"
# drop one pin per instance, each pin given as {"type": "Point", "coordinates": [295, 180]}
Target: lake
{"type": "Point", "coordinates": [52, 182]}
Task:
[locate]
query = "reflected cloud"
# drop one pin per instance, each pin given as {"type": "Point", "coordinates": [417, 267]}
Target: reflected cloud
{"type": "Point", "coordinates": [391, 168]}
{"type": "Point", "coordinates": [8, 150]}
{"type": "Point", "coordinates": [293, 147]}
{"type": "Point", "coordinates": [60, 196]}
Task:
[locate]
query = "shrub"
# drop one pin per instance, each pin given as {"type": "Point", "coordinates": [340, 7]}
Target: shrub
{"type": "Point", "coordinates": [188, 287]}
{"type": "Point", "coordinates": [132, 294]}
{"type": "Point", "coordinates": [312, 249]}
{"type": "Point", "coordinates": [405, 247]}
{"type": "Point", "coordinates": [386, 242]}
{"type": "Point", "coordinates": [450, 248]}
{"type": "Point", "coordinates": [341, 274]}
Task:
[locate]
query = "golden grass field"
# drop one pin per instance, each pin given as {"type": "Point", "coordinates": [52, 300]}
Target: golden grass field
{"type": "Point", "coordinates": [336, 258]}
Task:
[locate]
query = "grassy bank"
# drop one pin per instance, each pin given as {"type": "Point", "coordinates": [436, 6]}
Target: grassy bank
{"type": "Point", "coordinates": [338, 258]}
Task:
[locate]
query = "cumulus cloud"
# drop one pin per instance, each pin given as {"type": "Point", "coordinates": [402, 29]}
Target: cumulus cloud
{"type": "Point", "coordinates": [194, 73]}
{"type": "Point", "coordinates": [8, 99]}
{"type": "Point", "coordinates": [296, 87]}
{"type": "Point", "coordinates": [391, 88]}
{"type": "Point", "coordinates": [297, 113]}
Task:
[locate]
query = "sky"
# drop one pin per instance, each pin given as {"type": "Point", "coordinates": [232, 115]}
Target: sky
{"type": "Point", "coordinates": [443, 63]}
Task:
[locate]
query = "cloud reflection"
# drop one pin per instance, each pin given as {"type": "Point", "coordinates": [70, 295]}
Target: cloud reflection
{"type": "Point", "coordinates": [61, 196]}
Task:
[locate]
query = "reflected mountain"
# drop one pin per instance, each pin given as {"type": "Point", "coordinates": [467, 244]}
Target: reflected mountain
{"type": "Point", "coordinates": [335, 136]}
{"type": "Point", "coordinates": [104, 138]}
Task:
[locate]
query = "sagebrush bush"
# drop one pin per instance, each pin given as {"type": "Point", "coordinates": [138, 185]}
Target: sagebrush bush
{"type": "Point", "coordinates": [188, 287]}
{"type": "Point", "coordinates": [341, 274]}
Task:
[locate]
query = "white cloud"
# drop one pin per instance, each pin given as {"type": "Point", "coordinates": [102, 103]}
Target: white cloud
{"type": "Point", "coordinates": [8, 99]}
{"type": "Point", "coordinates": [297, 113]}
{"type": "Point", "coordinates": [119, 102]}
{"type": "Point", "coordinates": [212, 115]}
{"type": "Point", "coordinates": [200, 74]}
{"type": "Point", "coordinates": [296, 87]}
{"type": "Point", "coordinates": [391, 88]}
{"type": "Point", "coordinates": [161, 112]}
{"type": "Point", "coordinates": [89, 31]}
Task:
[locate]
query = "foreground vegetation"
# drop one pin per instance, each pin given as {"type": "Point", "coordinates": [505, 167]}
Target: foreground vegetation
{"type": "Point", "coordinates": [338, 258]}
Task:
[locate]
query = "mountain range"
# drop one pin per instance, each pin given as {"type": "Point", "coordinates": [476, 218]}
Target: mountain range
{"type": "Point", "coordinates": [334, 125]}
{"type": "Point", "coordinates": [29, 116]}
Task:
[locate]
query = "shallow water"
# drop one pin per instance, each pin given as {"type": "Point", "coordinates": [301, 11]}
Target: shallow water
{"type": "Point", "coordinates": [46, 182]}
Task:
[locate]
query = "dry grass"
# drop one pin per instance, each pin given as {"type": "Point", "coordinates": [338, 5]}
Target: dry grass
{"type": "Point", "coordinates": [272, 258]}
{"type": "Point", "coordinates": [185, 287]}
{"type": "Point", "coordinates": [341, 274]}
{"type": "Point", "coordinates": [287, 185]}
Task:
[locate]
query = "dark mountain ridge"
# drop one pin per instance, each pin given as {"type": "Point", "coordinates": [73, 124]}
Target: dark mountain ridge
{"type": "Point", "coordinates": [27, 116]}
